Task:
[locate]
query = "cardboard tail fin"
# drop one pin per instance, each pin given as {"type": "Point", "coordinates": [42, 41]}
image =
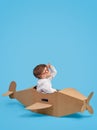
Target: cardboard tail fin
{"type": "Point", "coordinates": [86, 105]}
{"type": "Point", "coordinates": [12, 89]}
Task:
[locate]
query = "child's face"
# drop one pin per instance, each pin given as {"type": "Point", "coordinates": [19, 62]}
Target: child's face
{"type": "Point", "coordinates": [46, 73]}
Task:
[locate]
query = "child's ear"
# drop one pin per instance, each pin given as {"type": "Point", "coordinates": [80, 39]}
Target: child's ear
{"type": "Point", "coordinates": [39, 76]}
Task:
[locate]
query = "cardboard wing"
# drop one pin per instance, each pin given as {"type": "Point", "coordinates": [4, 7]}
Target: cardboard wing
{"type": "Point", "coordinates": [38, 106]}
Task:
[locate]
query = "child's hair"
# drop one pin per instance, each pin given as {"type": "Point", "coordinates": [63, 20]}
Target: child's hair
{"type": "Point", "coordinates": [37, 71]}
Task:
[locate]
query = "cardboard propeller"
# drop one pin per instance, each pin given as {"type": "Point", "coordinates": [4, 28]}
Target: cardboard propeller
{"type": "Point", "coordinates": [60, 103]}
{"type": "Point", "coordinates": [86, 105]}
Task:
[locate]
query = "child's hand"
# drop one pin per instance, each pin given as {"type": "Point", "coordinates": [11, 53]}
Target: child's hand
{"type": "Point", "coordinates": [49, 65]}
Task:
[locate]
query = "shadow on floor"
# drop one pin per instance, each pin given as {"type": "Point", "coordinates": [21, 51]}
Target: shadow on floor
{"type": "Point", "coordinates": [37, 115]}
{"type": "Point", "coordinates": [76, 115]}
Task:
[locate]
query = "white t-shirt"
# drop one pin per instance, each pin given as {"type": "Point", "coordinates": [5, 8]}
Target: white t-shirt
{"type": "Point", "coordinates": [44, 85]}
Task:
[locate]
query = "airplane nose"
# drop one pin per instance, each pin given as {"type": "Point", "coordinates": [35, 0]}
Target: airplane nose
{"type": "Point", "coordinates": [86, 105]}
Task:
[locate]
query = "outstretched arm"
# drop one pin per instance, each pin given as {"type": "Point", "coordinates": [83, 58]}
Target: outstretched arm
{"type": "Point", "coordinates": [52, 69]}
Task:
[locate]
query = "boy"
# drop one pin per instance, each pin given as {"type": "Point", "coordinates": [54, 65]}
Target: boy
{"type": "Point", "coordinates": [44, 73]}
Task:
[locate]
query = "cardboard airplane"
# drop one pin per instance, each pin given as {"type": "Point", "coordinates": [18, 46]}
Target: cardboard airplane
{"type": "Point", "coordinates": [60, 103]}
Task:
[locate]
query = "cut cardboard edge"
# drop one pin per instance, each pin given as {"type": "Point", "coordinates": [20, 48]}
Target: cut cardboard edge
{"type": "Point", "coordinates": [72, 92]}
{"type": "Point", "coordinates": [7, 93]}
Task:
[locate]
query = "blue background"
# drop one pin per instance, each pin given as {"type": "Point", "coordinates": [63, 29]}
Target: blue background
{"type": "Point", "coordinates": [60, 32]}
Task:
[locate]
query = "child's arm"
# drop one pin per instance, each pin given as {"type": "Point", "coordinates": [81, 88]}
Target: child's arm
{"type": "Point", "coordinates": [53, 70]}
{"type": "Point", "coordinates": [46, 88]}
{"type": "Point", "coordinates": [50, 90]}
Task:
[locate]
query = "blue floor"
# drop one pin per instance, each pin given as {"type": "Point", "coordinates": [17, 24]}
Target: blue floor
{"type": "Point", "coordinates": [63, 33]}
